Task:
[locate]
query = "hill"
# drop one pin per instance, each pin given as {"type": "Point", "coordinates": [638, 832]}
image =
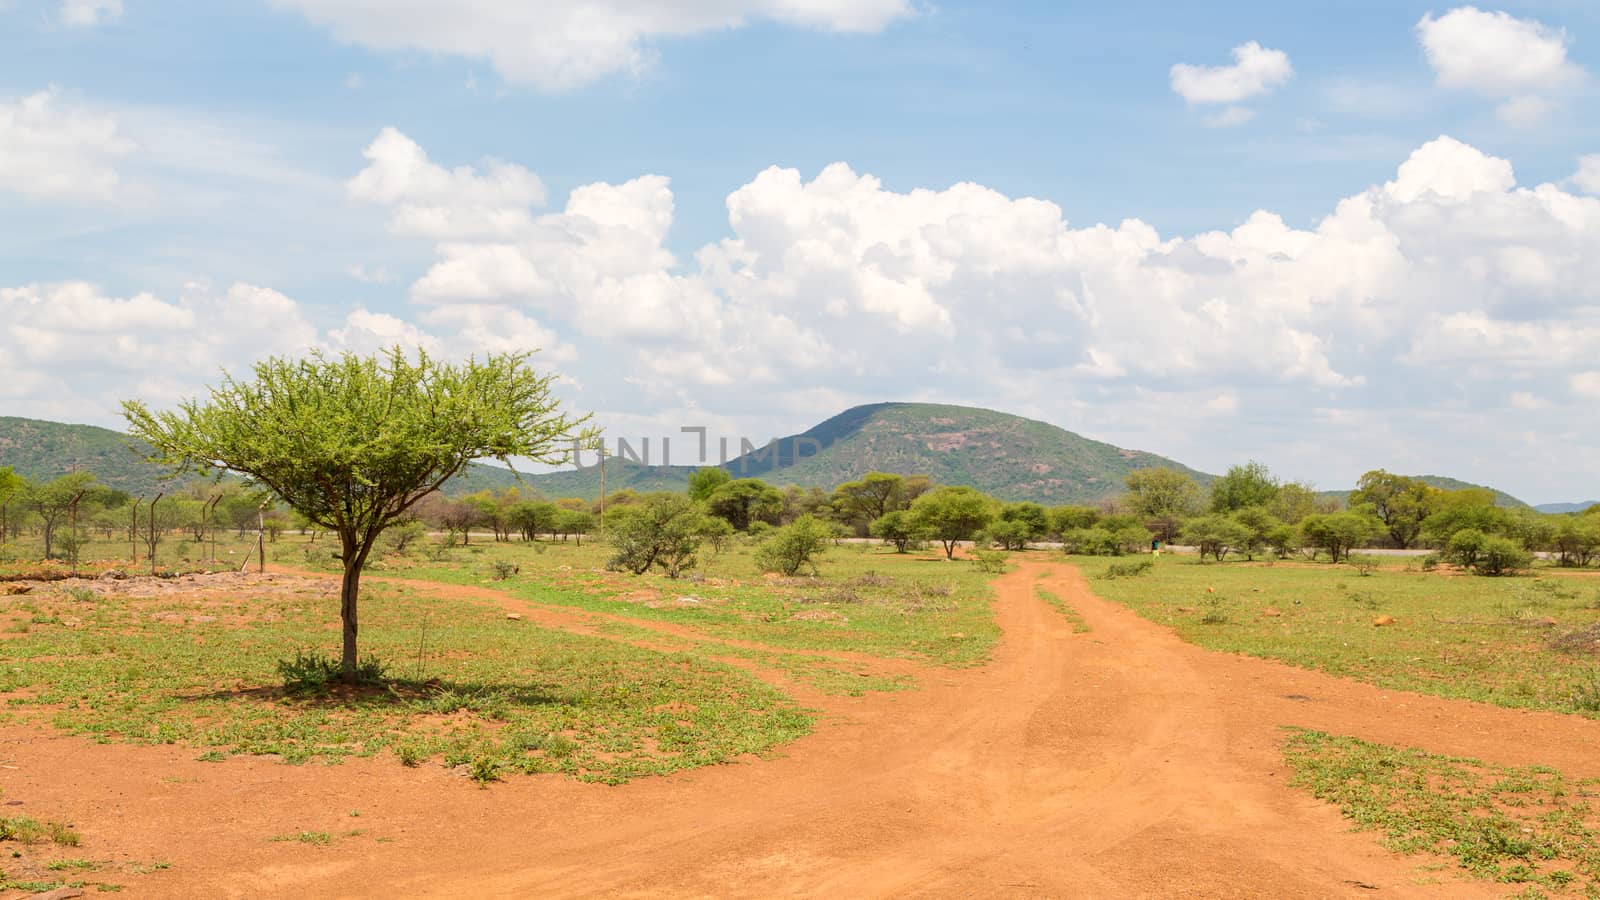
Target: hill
{"type": "Point", "coordinates": [40, 451]}
{"type": "Point", "coordinates": [1007, 456]}
{"type": "Point", "coordinates": [1566, 507]}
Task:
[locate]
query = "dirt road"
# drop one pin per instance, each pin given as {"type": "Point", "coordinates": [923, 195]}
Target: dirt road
{"type": "Point", "coordinates": [1120, 762]}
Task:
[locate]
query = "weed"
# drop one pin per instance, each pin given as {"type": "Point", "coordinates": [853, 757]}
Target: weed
{"type": "Point", "coordinates": [503, 569]}
{"type": "Point", "coordinates": [1512, 825]}
{"type": "Point", "coordinates": [1586, 693]}
{"type": "Point", "coordinates": [991, 562]}
{"type": "Point", "coordinates": [314, 838]}
{"type": "Point", "coordinates": [24, 830]}
{"type": "Point", "coordinates": [82, 594]}
{"type": "Point", "coordinates": [310, 671]}
{"type": "Point", "coordinates": [1214, 614]}
{"type": "Point", "coordinates": [64, 865]}
{"type": "Point", "coordinates": [1129, 569]}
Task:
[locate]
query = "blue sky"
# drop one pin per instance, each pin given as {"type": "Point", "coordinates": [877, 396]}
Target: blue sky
{"type": "Point", "coordinates": [177, 170]}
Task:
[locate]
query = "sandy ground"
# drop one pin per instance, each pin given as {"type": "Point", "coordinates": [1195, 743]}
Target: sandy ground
{"type": "Point", "coordinates": [1120, 762]}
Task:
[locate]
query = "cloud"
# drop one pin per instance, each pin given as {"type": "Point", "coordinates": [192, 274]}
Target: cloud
{"type": "Point", "coordinates": [1256, 70]}
{"type": "Point", "coordinates": [1447, 279]}
{"type": "Point", "coordinates": [73, 352]}
{"type": "Point", "coordinates": [55, 151]}
{"type": "Point", "coordinates": [1521, 62]}
{"type": "Point", "coordinates": [428, 200]}
{"type": "Point", "coordinates": [89, 13]}
{"type": "Point", "coordinates": [562, 44]}
{"type": "Point", "coordinates": [1587, 178]}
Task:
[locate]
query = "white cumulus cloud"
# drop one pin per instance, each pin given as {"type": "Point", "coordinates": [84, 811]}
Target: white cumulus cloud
{"type": "Point", "coordinates": [562, 44]}
{"type": "Point", "coordinates": [1256, 70]}
{"type": "Point", "coordinates": [1521, 62]}
{"type": "Point", "coordinates": [52, 149]}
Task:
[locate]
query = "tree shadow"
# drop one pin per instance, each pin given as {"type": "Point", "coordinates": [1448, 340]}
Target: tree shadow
{"type": "Point", "coordinates": [382, 693]}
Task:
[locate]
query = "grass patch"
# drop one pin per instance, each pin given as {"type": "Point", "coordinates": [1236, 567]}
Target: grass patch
{"type": "Point", "coordinates": [24, 830]}
{"type": "Point", "coordinates": [313, 838]}
{"type": "Point", "coordinates": [1079, 626]}
{"type": "Point", "coordinates": [867, 600]}
{"type": "Point", "coordinates": [492, 696]}
{"type": "Point", "coordinates": [70, 865]}
{"type": "Point", "coordinates": [1517, 825]}
{"type": "Point", "coordinates": [1518, 642]}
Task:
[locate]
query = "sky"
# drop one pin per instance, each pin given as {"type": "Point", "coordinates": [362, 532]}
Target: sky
{"type": "Point", "coordinates": [1327, 236]}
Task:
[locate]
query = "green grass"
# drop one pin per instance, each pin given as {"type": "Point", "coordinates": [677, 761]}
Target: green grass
{"type": "Point", "coordinates": [495, 696]}
{"type": "Point", "coordinates": [867, 600]}
{"type": "Point", "coordinates": [1487, 639]}
{"type": "Point", "coordinates": [66, 865]}
{"type": "Point", "coordinates": [304, 837]}
{"type": "Point", "coordinates": [25, 830]}
{"type": "Point", "coordinates": [1522, 825]}
{"type": "Point", "coordinates": [1079, 626]}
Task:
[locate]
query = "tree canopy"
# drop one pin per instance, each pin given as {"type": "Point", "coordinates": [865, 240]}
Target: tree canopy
{"type": "Point", "coordinates": [352, 443]}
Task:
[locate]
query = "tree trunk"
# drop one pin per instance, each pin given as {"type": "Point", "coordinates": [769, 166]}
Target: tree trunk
{"type": "Point", "coordinates": [355, 558]}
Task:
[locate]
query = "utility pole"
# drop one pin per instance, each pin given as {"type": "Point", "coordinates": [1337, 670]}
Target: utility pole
{"type": "Point", "coordinates": [261, 537]}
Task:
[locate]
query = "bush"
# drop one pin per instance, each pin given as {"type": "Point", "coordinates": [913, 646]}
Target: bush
{"type": "Point", "coordinates": [1129, 569]}
{"type": "Point", "coordinates": [896, 528]}
{"type": "Point", "coordinates": [399, 538]}
{"type": "Point", "coordinates": [991, 562]}
{"type": "Point", "coordinates": [794, 547]}
{"type": "Point", "coordinates": [1501, 556]}
{"type": "Point", "coordinates": [1464, 547]}
{"type": "Point", "coordinates": [1010, 534]}
{"type": "Point", "coordinates": [661, 530]}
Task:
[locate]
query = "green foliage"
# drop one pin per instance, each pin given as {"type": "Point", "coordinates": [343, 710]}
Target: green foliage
{"type": "Point", "coordinates": [1162, 493]}
{"type": "Point", "coordinates": [1468, 509]}
{"type": "Point", "coordinates": [716, 532]}
{"type": "Point", "coordinates": [1464, 547]}
{"type": "Point", "coordinates": [353, 443]}
{"type": "Point", "coordinates": [1519, 825]}
{"type": "Point", "coordinates": [402, 537]}
{"type": "Point", "coordinates": [1501, 556]}
{"type": "Point", "coordinates": [1113, 536]}
{"type": "Point", "coordinates": [1338, 533]}
{"type": "Point", "coordinates": [705, 482]}
{"type": "Point", "coordinates": [871, 498]}
{"type": "Point", "coordinates": [311, 672]}
{"type": "Point", "coordinates": [1071, 518]}
{"type": "Point", "coordinates": [746, 501]}
{"type": "Point", "coordinates": [794, 546]}
{"type": "Point", "coordinates": [1129, 569]}
{"type": "Point", "coordinates": [897, 528]}
{"type": "Point", "coordinates": [1293, 502]}
{"type": "Point", "coordinates": [1400, 503]}
{"type": "Point", "coordinates": [1216, 535]}
{"type": "Point", "coordinates": [1242, 487]}
{"type": "Point", "coordinates": [951, 515]}
{"type": "Point", "coordinates": [660, 531]}
{"type": "Point", "coordinates": [991, 562]}
{"type": "Point", "coordinates": [1009, 534]}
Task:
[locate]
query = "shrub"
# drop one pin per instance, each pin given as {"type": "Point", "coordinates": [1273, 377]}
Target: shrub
{"type": "Point", "coordinates": [399, 538]}
{"type": "Point", "coordinates": [1129, 569]}
{"type": "Point", "coordinates": [1501, 556]}
{"type": "Point", "coordinates": [991, 562]}
{"type": "Point", "coordinates": [794, 547]}
{"type": "Point", "coordinates": [1009, 534]}
{"type": "Point", "coordinates": [895, 528]}
{"type": "Point", "coordinates": [1216, 535]}
{"type": "Point", "coordinates": [503, 570]}
{"type": "Point", "coordinates": [661, 530]}
{"type": "Point", "coordinates": [1464, 547]}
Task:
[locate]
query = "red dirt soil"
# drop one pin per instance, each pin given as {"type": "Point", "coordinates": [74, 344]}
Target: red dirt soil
{"type": "Point", "coordinates": [1120, 762]}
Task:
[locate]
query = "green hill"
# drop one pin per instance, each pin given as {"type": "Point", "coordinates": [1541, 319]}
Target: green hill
{"type": "Point", "coordinates": [1007, 456]}
{"type": "Point", "coordinates": [39, 451]}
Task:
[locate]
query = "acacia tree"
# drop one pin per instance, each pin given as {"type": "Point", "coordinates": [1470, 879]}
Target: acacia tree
{"type": "Point", "coordinates": [951, 514]}
{"type": "Point", "coordinates": [352, 443]}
